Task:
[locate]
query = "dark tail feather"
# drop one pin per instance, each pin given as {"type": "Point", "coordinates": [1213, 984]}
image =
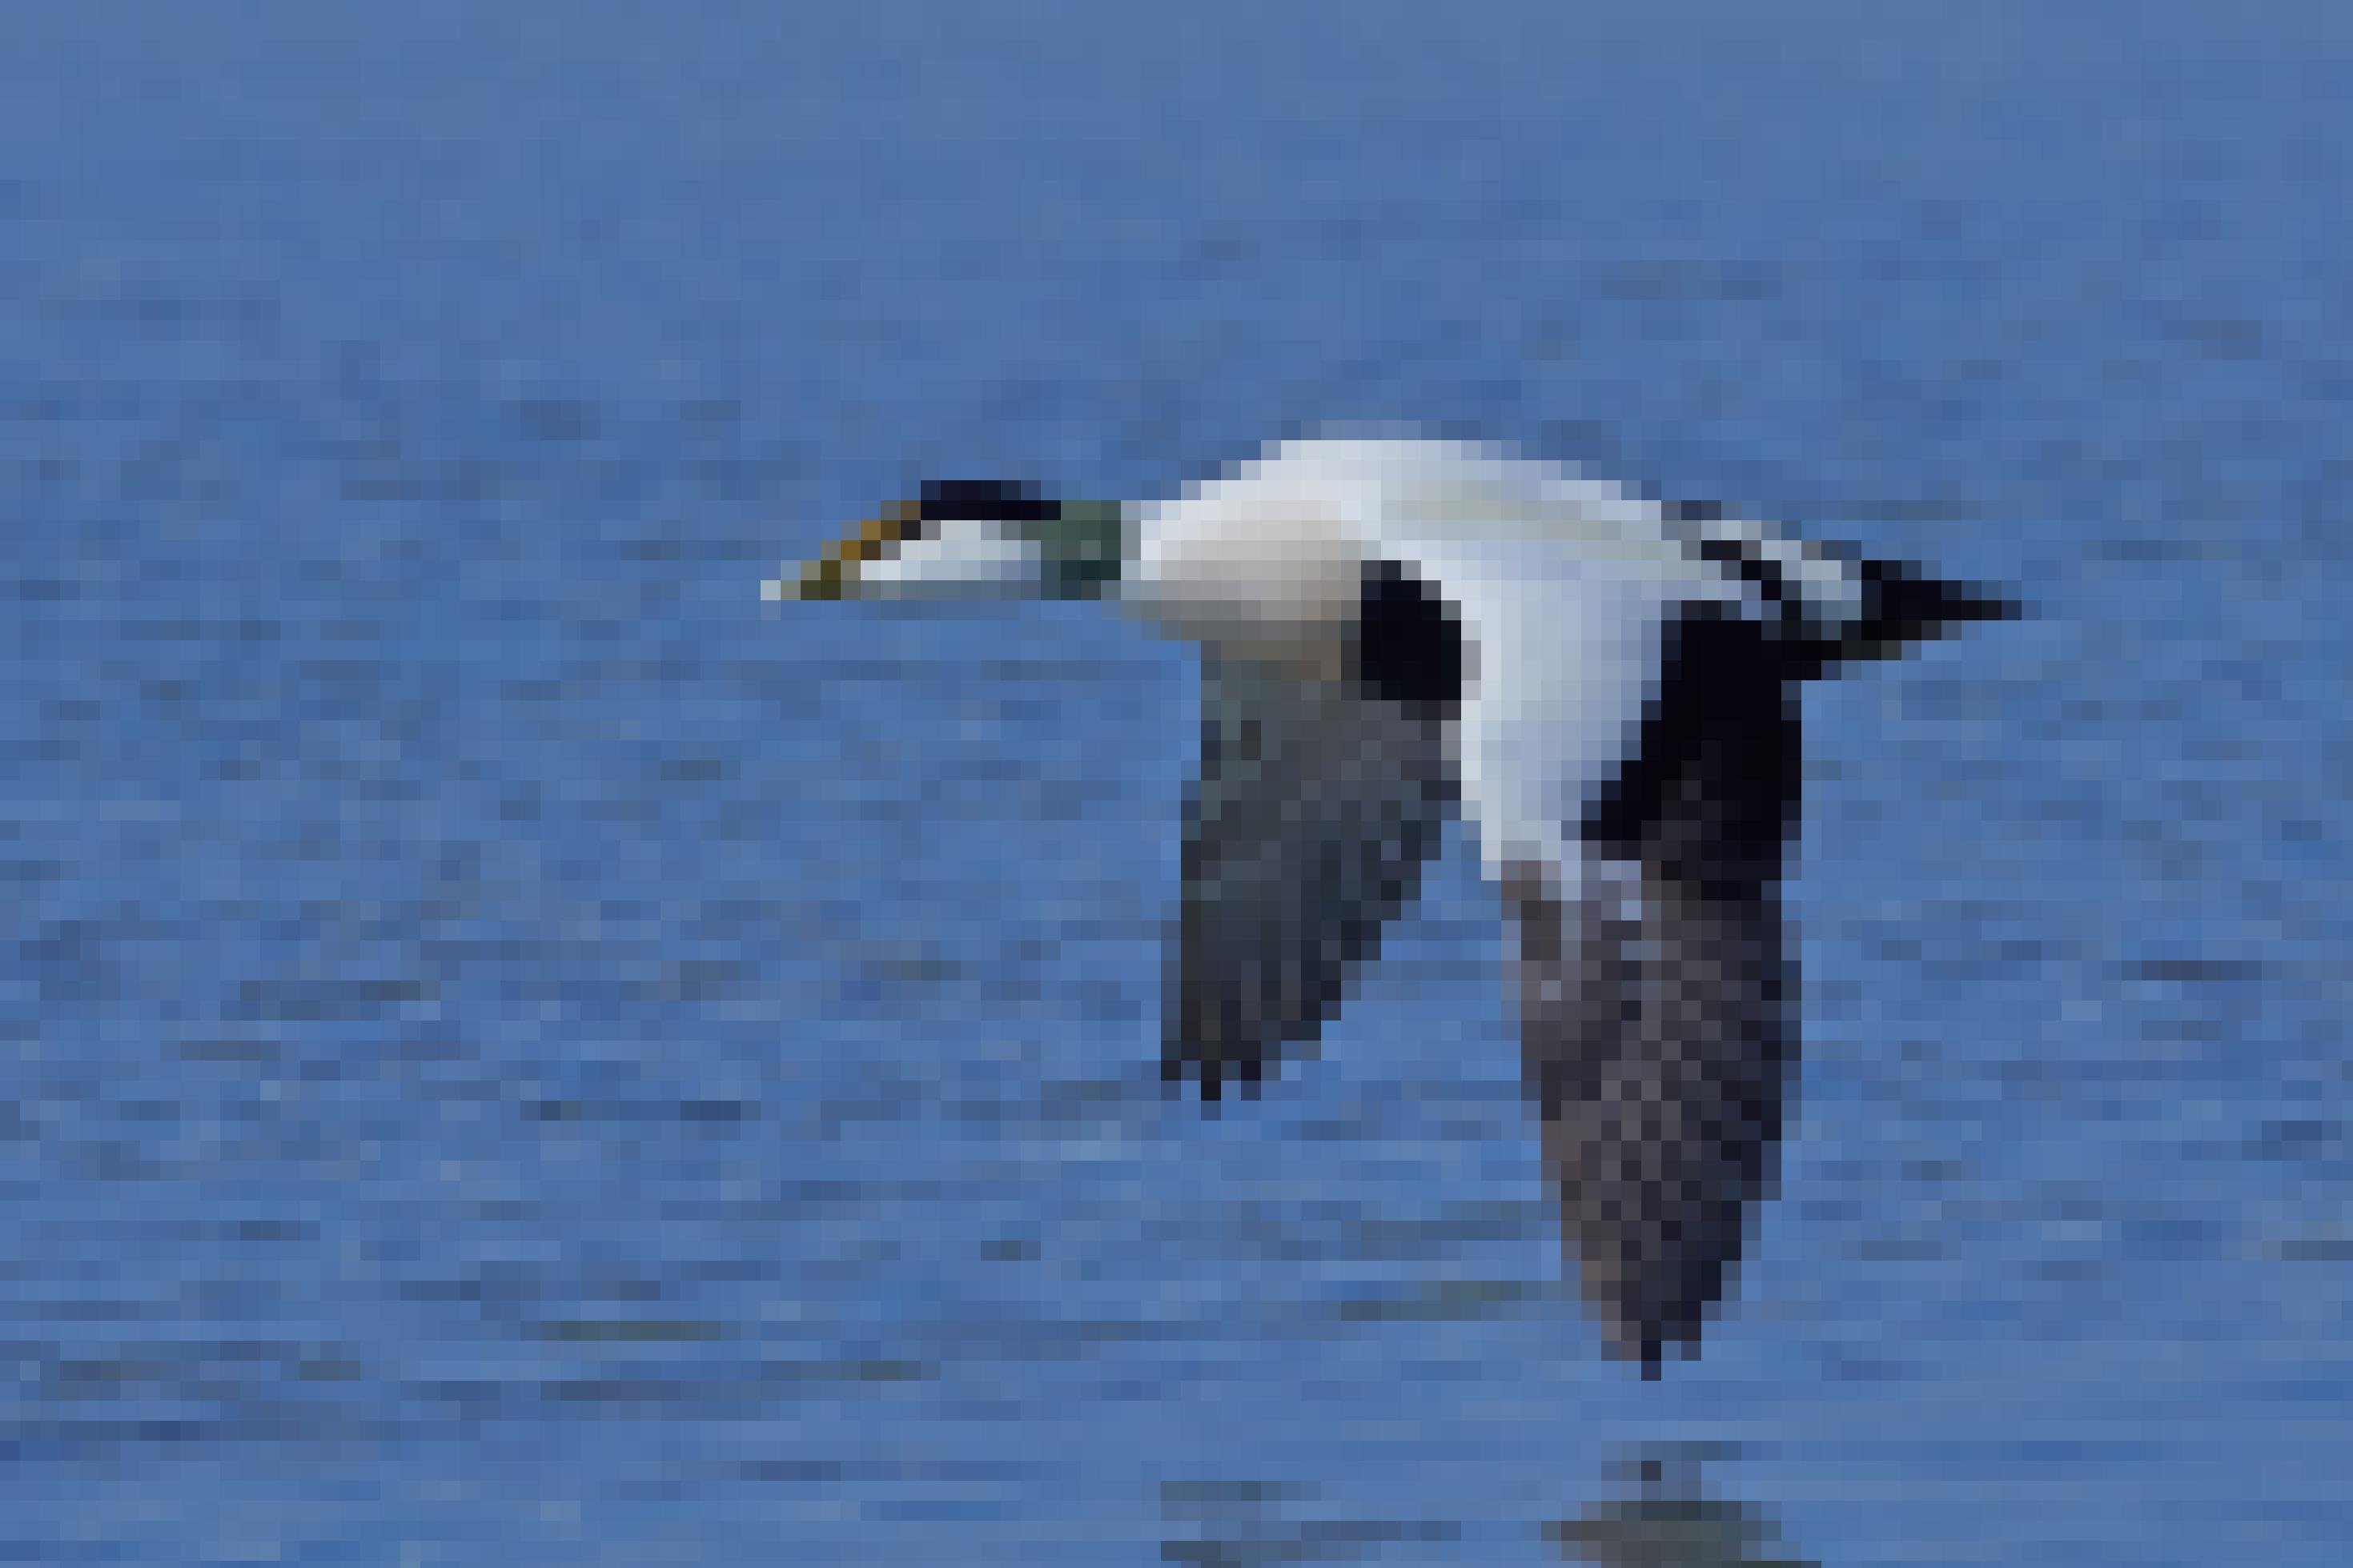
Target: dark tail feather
{"type": "Point", "coordinates": [1903, 606]}
{"type": "Point", "coordinates": [1869, 609]}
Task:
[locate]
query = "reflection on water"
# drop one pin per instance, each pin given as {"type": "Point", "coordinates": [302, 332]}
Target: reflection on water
{"type": "Point", "coordinates": [1245, 1523]}
{"type": "Point", "coordinates": [1660, 1516]}
{"type": "Point", "coordinates": [1653, 1511]}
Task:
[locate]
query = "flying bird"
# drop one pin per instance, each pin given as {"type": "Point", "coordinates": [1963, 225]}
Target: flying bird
{"type": "Point", "coordinates": [1605, 686]}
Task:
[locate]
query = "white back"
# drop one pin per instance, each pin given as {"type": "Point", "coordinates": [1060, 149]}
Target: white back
{"type": "Point", "coordinates": [1563, 583]}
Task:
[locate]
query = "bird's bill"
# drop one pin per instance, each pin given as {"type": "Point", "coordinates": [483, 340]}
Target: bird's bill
{"type": "Point", "coordinates": [838, 572]}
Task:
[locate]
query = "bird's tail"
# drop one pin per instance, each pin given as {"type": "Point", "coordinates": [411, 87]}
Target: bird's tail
{"type": "Point", "coordinates": [1825, 608]}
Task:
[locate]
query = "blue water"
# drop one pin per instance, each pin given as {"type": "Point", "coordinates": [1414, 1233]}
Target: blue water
{"type": "Point", "coordinates": [510, 1053]}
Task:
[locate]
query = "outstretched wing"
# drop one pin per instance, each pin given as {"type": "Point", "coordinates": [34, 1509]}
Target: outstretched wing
{"type": "Point", "coordinates": [1654, 992]}
{"type": "Point", "coordinates": [1315, 812]}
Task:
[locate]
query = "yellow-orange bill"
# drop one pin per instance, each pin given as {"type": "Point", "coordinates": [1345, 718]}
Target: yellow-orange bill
{"type": "Point", "coordinates": [830, 575]}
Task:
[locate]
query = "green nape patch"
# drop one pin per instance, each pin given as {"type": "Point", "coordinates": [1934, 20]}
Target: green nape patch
{"type": "Point", "coordinates": [1085, 545]}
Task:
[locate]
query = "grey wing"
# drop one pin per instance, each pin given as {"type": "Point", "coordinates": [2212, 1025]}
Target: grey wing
{"type": "Point", "coordinates": [1655, 1024]}
{"type": "Point", "coordinates": [1315, 811]}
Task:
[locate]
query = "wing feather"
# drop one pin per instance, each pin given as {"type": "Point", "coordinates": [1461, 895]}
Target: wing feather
{"type": "Point", "coordinates": [1315, 811]}
{"type": "Point", "coordinates": [1654, 993]}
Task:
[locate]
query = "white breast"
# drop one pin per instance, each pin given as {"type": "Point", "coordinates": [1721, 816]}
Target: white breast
{"type": "Point", "coordinates": [1256, 566]}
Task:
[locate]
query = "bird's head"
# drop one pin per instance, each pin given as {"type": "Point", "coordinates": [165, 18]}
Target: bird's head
{"type": "Point", "coordinates": [971, 539]}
